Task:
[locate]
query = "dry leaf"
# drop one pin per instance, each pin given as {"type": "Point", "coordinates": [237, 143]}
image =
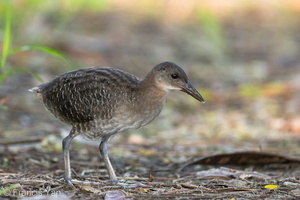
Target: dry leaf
{"type": "Point", "coordinates": [145, 152]}
{"type": "Point", "coordinates": [91, 189]}
{"type": "Point", "coordinates": [240, 158]}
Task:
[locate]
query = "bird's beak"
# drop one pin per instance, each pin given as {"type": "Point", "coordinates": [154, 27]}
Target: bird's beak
{"type": "Point", "coordinates": [189, 89]}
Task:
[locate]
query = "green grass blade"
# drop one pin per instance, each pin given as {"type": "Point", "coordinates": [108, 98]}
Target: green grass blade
{"type": "Point", "coordinates": [6, 39]}
{"type": "Point", "coordinates": [45, 49]}
{"type": "Point", "coordinates": [9, 72]}
{"type": "Point", "coordinates": [4, 191]}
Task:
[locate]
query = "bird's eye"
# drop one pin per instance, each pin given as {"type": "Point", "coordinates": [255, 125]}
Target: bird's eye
{"type": "Point", "coordinates": [174, 76]}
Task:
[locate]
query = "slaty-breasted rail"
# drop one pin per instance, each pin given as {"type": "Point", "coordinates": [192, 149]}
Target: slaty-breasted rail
{"type": "Point", "coordinates": [99, 102]}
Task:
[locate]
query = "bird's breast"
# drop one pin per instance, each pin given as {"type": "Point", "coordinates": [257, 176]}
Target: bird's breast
{"type": "Point", "coordinates": [141, 111]}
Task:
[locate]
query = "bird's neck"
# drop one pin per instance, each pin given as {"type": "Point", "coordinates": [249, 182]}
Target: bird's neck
{"type": "Point", "coordinates": [149, 100]}
{"type": "Point", "coordinates": [150, 90]}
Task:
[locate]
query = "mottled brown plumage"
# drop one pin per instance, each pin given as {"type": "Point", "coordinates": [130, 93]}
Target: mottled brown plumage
{"type": "Point", "coordinates": [99, 102]}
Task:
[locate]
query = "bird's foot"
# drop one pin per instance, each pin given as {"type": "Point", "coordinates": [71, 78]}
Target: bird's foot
{"type": "Point", "coordinates": [69, 181]}
{"type": "Point", "coordinates": [113, 181]}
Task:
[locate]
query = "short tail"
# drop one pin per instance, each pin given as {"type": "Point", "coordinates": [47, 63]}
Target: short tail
{"type": "Point", "coordinates": [35, 90]}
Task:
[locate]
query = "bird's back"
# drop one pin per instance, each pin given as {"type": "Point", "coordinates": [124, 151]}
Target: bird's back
{"type": "Point", "coordinates": [87, 94]}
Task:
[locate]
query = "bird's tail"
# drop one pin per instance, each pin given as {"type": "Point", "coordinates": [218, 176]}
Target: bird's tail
{"type": "Point", "coordinates": [35, 90]}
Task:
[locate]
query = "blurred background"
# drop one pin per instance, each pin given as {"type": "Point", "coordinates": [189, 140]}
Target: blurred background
{"type": "Point", "coordinates": [242, 55]}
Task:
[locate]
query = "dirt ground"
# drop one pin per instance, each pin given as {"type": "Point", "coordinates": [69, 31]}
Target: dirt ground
{"type": "Point", "coordinates": [243, 143]}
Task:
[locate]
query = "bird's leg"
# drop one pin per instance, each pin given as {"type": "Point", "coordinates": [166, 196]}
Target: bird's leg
{"type": "Point", "coordinates": [66, 146]}
{"type": "Point", "coordinates": [104, 154]}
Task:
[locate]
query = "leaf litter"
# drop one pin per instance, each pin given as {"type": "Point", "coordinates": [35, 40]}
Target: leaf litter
{"type": "Point", "coordinates": [208, 182]}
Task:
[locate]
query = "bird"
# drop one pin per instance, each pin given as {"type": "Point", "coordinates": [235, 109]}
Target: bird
{"type": "Point", "coordinates": [99, 102]}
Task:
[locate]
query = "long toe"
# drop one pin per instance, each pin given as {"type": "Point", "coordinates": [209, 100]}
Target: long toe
{"type": "Point", "coordinates": [69, 182]}
{"type": "Point", "coordinates": [114, 181]}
